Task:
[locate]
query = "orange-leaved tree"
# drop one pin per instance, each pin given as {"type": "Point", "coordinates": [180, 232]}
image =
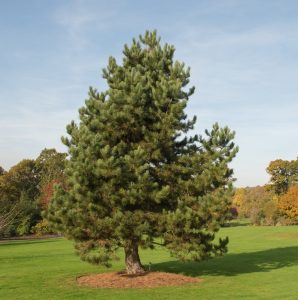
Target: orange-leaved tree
{"type": "Point", "coordinates": [288, 203]}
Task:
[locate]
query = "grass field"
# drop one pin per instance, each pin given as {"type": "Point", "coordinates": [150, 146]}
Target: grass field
{"type": "Point", "coordinates": [262, 264]}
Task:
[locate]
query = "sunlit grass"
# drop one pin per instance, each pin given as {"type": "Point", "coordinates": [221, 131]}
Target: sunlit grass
{"type": "Point", "coordinates": [262, 264]}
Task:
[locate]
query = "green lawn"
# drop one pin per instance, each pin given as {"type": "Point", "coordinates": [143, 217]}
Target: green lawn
{"type": "Point", "coordinates": [262, 264]}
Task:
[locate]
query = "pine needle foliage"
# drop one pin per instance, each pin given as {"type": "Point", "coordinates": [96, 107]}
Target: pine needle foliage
{"type": "Point", "coordinates": [135, 173]}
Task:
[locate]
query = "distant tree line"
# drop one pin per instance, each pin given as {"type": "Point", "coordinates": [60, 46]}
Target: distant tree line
{"type": "Point", "coordinates": [27, 188]}
{"type": "Point", "coordinates": [274, 203]}
{"type": "Point", "coordinates": [25, 191]}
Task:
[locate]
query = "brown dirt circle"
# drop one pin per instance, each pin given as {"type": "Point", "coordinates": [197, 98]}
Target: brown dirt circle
{"type": "Point", "coordinates": [146, 280]}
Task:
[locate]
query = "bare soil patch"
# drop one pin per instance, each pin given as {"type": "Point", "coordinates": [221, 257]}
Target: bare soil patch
{"type": "Point", "coordinates": [146, 280]}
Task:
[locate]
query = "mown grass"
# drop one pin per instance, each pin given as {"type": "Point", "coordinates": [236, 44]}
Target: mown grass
{"type": "Point", "coordinates": [262, 264]}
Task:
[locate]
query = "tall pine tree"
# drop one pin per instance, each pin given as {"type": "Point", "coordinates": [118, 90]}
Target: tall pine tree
{"type": "Point", "coordinates": [134, 173]}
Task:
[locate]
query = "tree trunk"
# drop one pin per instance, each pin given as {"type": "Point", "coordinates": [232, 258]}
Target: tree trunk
{"type": "Point", "coordinates": [132, 259]}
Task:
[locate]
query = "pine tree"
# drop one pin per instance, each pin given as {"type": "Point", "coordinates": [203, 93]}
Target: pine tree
{"type": "Point", "coordinates": [134, 174]}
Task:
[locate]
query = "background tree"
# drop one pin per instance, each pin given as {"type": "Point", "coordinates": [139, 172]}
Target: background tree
{"type": "Point", "coordinates": [283, 173]}
{"type": "Point", "coordinates": [7, 216]}
{"type": "Point", "coordinates": [18, 192]}
{"type": "Point", "coordinates": [288, 204]}
{"type": "Point", "coordinates": [2, 171]}
{"type": "Point", "coordinates": [258, 204]}
{"type": "Point", "coordinates": [26, 189]}
{"type": "Point", "coordinates": [49, 166]}
{"type": "Point", "coordinates": [133, 173]}
{"type": "Point", "coordinates": [239, 202]}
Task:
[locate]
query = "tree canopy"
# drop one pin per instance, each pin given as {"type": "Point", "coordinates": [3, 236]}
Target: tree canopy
{"type": "Point", "coordinates": [18, 191]}
{"type": "Point", "coordinates": [288, 203]}
{"type": "Point", "coordinates": [136, 173]}
{"type": "Point", "coordinates": [50, 166]}
{"type": "Point", "coordinates": [258, 204]}
{"type": "Point", "coordinates": [25, 190]}
{"type": "Point", "coordinates": [2, 171]}
{"type": "Point", "coordinates": [283, 174]}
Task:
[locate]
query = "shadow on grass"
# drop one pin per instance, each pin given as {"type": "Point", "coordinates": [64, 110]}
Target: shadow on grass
{"type": "Point", "coordinates": [235, 264]}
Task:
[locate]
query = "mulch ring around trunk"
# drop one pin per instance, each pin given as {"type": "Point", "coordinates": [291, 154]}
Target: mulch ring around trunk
{"type": "Point", "coordinates": [146, 280]}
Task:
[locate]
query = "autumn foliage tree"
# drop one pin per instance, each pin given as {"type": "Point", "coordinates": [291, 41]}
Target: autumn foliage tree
{"type": "Point", "coordinates": [283, 181]}
{"type": "Point", "coordinates": [239, 202]}
{"type": "Point", "coordinates": [256, 203]}
{"type": "Point", "coordinates": [50, 166]}
{"type": "Point", "coordinates": [288, 203]}
{"type": "Point", "coordinates": [25, 190]}
{"type": "Point", "coordinates": [133, 174]}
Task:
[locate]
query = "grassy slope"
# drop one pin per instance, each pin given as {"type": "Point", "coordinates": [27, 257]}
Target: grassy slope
{"type": "Point", "coordinates": [262, 264]}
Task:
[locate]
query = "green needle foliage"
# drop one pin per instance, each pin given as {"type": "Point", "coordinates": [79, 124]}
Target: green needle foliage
{"type": "Point", "coordinates": [134, 174]}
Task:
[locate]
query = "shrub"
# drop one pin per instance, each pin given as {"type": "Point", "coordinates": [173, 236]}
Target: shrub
{"type": "Point", "coordinates": [42, 228]}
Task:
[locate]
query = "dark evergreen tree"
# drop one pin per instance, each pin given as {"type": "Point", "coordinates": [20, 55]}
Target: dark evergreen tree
{"type": "Point", "coordinates": [134, 174]}
{"type": "Point", "coordinates": [2, 171]}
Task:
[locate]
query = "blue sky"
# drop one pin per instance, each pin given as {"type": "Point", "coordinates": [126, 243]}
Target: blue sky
{"type": "Point", "coordinates": [242, 54]}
